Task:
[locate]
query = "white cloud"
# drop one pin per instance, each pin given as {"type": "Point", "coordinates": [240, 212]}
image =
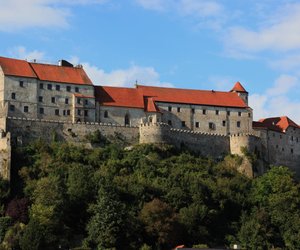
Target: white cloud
{"type": "Point", "coordinates": [205, 13]}
{"type": "Point", "coordinates": [276, 101]}
{"type": "Point", "coordinates": [157, 5]}
{"type": "Point", "coordinates": [278, 32]}
{"type": "Point", "coordinates": [22, 53]}
{"type": "Point", "coordinates": [122, 77]}
{"type": "Point", "coordinates": [18, 14]}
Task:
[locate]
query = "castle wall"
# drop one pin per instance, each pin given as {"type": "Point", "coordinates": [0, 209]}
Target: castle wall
{"type": "Point", "coordinates": [116, 115]}
{"type": "Point", "coordinates": [5, 155]}
{"type": "Point", "coordinates": [207, 119]}
{"type": "Point", "coordinates": [24, 131]}
{"type": "Point", "coordinates": [209, 145]}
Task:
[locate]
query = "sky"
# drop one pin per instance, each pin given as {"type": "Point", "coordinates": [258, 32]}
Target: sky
{"type": "Point", "coordinates": [197, 44]}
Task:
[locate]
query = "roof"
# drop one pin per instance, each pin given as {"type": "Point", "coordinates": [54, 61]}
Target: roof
{"type": "Point", "coordinates": [44, 72]}
{"type": "Point", "coordinates": [15, 67]}
{"type": "Point", "coordinates": [119, 96]}
{"type": "Point", "coordinates": [55, 73]}
{"type": "Point", "coordinates": [238, 87]}
{"type": "Point", "coordinates": [191, 96]}
{"type": "Point", "coordinates": [279, 124]}
{"type": "Point", "coordinates": [146, 97]}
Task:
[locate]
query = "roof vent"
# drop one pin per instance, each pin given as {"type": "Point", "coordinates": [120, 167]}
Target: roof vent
{"type": "Point", "coordinates": [64, 63]}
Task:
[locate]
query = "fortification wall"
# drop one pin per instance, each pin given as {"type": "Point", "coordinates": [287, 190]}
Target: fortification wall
{"type": "Point", "coordinates": [210, 145]}
{"type": "Point", "coordinates": [24, 131]}
{"type": "Point", "coordinates": [5, 155]}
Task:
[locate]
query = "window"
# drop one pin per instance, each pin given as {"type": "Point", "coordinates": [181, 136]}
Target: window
{"type": "Point", "coordinates": [105, 114]}
{"type": "Point", "coordinates": [280, 136]}
{"type": "Point", "coordinates": [86, 102]}
{"type": "Point", "coordinates": [68, 112]}
{"type": "Point", "coordinates": [204, 111]}
{"type": "Point", "coordinates": [86, 113]}
{"type": "Point", "coordinates": [169, 108]}
{"type": "Point", "coordinates": [282, 149]}
{"type": "Point", "coordinates": [170, 122]}
{"type": "Point", "coordinates": [296, 139]}
{"type": "Point", "coordinates": [76, 89]}
{"type": "Point", "coordinates": [49, 86]}
{"type": "Point", "coordinates": [276, 146]}
{"type": "Point", "coordinates": [292, 151]}
{"type": "Point", "coordinates": [273, 134]}
{"type": "Point", "coordinates": [238, 124]}
{"type": "Point", "coordinates": [64, 112]}
{"type": "Point", "coordinates": [67, 101]}
{"type": "Point", "coordinates": [211, 125]}
{"type": "Point", "coordinates": [217, 112]}
{"type": "Point", "coordinates": [292, 138]}
{"type": "Point", "coordinates": [183, 124]}
{"type": "Point", "coordinates": [53, 99]}
{"type": "Point", "coordinates": [68, 88]}
{"type": "Point", "coordinates": [178, 109]}
{"type": "Point", "coordinates": [228, 113]}
{"type": "Point", "coordinates": [239, 113]}
{"type": "Point", "coordinates": [12, 107]}
{"type": "Point", "coordinates": [26, 109]}
{"type": "Point", "coordinates": [223, 123]}
{"type": "Point", "coordinates": [41, 86]}
{"type": "Point", "coordinates": [197, 124]}
{"type": "Point", "coordinates": [78, 100]}
{"type": "Point", "coordinates": [21, 83]}
{"type": "Point", "coordinates": [57, 87]}
{"type": "Point", "coordinates": [41, 110]}
{"type": "Point", "coordinates": [40, 99]}
{"type": "Point", "coordinates": [56, 111]}
{"type": "Point", "coordinates": [127, 120]}
{"type": "Point", "coordinates": [78, 112]}
{"type": "Point", "coordinates": [13, 95]}
{"type": "Point", "coordinates": [193, 111]}
{"type": "Point", "coordinates": [249, 114]}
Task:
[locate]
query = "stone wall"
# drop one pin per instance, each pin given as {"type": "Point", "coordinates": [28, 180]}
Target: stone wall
{"type": "Point", "coordinates": [24, 131]}
{"type": "Point", "coordinates": [5, 155]}
{"type": "Point", "coordinates": [209, 145]}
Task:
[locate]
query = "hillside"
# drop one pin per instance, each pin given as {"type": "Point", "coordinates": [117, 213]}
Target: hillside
{"type": "Point", "coordinates": [145, 197]}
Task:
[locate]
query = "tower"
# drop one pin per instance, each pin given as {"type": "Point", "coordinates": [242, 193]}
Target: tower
{"type": "Point", "coordinates": [240, 90]}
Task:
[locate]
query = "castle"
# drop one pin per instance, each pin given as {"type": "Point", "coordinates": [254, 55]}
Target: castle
{"type": "Point", "coordinates": [38, 99]}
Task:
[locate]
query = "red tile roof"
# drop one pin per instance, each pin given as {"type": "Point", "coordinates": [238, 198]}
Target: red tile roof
{"type": "Point", "coordinates": [150, 105]}
{"type": "Point", "coordinates": [15, 67]}
{"type": "Point", "coordinates": [44, 72]}
{"type": "Point", "coordinates": [279, 124]}
{"type": "Point", "coordinates": [146, 97]}
{"type": "Point", "coordinates": [190, 96]}
{"type": "Point", "coordinates": [238, 87]}
{"type": "Point", "coordinates": [120, 97]}
{"type": "Point", "coordinates": [54, 73]}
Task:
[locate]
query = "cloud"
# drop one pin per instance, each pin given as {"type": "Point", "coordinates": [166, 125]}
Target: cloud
{"type": "Point", "coordinates": [123, 77]}
{"type": "Point", "coordinates": [19, 14]}
{"type": "Point", "coordinates": [22, 53]}
{"type": "Point", "coordinates": [205, 13]}
{"type": "Point", "coordinates": [277, 100]}
{"type": "Point", "coordinates": [277, 32]}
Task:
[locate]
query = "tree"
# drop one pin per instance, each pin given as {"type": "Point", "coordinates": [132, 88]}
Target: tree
{"type": "Point", "coordinates": [107, 224]}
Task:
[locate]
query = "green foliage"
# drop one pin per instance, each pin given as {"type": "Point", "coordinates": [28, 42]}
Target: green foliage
{"type": "Point", "coordinates": [5, 223]}
{"type": "Point", "coordinates": [148, 197]}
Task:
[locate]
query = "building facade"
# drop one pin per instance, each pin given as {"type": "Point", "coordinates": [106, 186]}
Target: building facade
{"type": "Point", "coordinates": [214, 123]}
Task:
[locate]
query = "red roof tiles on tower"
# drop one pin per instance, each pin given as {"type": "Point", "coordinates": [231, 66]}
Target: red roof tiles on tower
{"type": "Point", "coordinates": [238, 87]}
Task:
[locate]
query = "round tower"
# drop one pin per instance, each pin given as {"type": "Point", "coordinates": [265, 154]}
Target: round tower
{"type": "Point", "coordinates": [240, 90]}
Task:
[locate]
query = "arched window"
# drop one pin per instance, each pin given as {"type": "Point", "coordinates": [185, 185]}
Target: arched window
{"type": "Point", "coordinates": [127, 120]}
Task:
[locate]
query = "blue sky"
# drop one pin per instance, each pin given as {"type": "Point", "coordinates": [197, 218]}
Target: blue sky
{"type": "Point", "coordinates": [200, 44]}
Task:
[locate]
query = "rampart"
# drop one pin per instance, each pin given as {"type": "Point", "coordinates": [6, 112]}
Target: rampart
{"type": "Point", "coordinates": [206, 144]}
{"type": "Point", "coordinates": [25, 130]}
